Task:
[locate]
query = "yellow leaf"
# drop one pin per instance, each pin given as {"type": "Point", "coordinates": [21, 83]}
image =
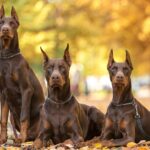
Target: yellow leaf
{"type": "Point", "coordinates": [26, 144]}
{"type": "Point", "coordinates": [97, 145]}
{"type": "Point", "coordinates": [12, 148]}
{"type": "Point", "coordinates": [105, 148]}
{"type": "Point", "coordinates": [131, 144]}
{"type": "Point", "coordinates": [143, 148]}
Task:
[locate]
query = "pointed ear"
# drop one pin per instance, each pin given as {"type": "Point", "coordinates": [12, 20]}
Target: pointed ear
{"type": "Point", "coordinates": [67, 56]}
{"type": "Point", "coordinates": [2, 12]}
{"type": "Point", "coordinates": [111, 59]}
{"type": "Point", "coordinates": [44, 56]}
{"type": "Point", "coordinates": [128, 59]}
{"type": "Point", "coordinates": [14, 14]}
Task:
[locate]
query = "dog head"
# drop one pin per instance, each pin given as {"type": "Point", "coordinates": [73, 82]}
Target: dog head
{"type": "Point", "coordinates": [120, 72]}
{"type": "Point", "coordinates": [57, 70]}
{"type": "Point", "coordinates": [8, 26]}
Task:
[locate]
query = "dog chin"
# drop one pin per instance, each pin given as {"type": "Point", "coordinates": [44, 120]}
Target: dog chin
{"type": "Point", "coordinates": [6, 36]}
{"type": "Point", "coordinates": [119, 84]}
{"type": "Point", "coordinates": [56, 86]}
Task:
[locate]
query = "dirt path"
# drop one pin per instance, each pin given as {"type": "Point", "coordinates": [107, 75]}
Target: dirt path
{"type": "Point", "coordinates": [102, 103]}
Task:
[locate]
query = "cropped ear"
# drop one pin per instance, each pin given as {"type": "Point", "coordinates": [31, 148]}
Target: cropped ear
{"type": "Point", "coordinates": [2, 12]}
{"type": "Point", "coordinates": [67, 56]}
{"type": "Point", "coordinates": [111, 59]}
{"type": "Point", "coordinates": [14, 14]}
{"type": "Point", "coordinates": [128, 59]}
{"type": "Point", "coordinates": [45, 57]}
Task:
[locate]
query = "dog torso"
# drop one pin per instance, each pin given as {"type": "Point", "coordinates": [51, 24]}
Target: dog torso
{"type": "Point", "coordinates": [117, 118]}
{"type": "Point", "coordinates": [10, 70]}
{"type": "Point", "coordinates": [62, 118]}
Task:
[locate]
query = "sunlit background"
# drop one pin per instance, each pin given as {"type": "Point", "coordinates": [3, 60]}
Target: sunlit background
{"type": "Point", "coordinates": [92, 28]}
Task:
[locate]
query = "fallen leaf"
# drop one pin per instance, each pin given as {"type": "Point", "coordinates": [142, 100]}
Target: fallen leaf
{"type": "Point", "coordinates": [97, 145]}
{"type": "Point", "coordinates": [143, 148]}
{"type": "Point", "coordinates": [131, 144]}
{"type": "Point", "coordinates": [26, 144]}
{"type": "Point", "coordinates": [84, 148]}
{"type": "Point", "coordinates": [105, 148]}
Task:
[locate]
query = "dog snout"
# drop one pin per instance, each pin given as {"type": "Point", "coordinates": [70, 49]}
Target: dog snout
{"type": "Point", "coordinates": [55, 77]}
{"type": "Point", "coordinates": [5, 29]}
{"type": "Point", "coordinates": [120, 76]}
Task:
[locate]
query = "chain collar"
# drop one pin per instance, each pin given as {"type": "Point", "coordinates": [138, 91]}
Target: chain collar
{"type": "Point", "coordinates": [133, 103]}
{"type": "Point", "coordinates": [60, 103]}
{"type": "Point", "coordinates": [124, 104]}
{"type": "Point", "coordinates": [9, 56]}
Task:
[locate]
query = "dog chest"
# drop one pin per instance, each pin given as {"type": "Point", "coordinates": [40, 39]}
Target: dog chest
{"type": "Point", "coordinates": [58, 118]}
{"type": "Point", "coordinates": [8, 75]}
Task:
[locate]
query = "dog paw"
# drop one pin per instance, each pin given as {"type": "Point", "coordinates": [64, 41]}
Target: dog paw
{"type": "Point", "coordinates": [79, 145]}
{"type": "Point", "coordinates": [38, 144]}
{"type": "Point", "coordinates": [107, 143]}
{"type": "Point", "coordinates": [69, 141]}
{"type": "Point", "coordinates": [3, 140]}
{"type": "Point", "coordinates": [47, 143]}
{"type": "Point", "coordinates": [18, 140]}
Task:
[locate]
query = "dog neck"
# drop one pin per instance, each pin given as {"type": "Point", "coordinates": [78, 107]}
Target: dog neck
{"type": "Point", "coordinates": [59, 94]}
{"type": "Point", "coordinates": [8, 48]}
{"type": "Point", "coordinates": [122, 94]}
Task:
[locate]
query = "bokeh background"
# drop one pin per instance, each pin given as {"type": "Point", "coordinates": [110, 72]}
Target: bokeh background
{"type": "Point", "coordinates": [92, 28]}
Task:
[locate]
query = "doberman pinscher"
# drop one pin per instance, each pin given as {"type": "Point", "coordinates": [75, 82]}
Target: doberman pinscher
{"type": "Point", "coordinates": [126, 119]}
{"type": "Point", "coordinates": [20, 90]}
{"type": "Point", "coordinates": [64, 119]}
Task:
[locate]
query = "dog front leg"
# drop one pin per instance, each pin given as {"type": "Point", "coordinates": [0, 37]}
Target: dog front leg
{"type": "Point", "coordinates": [25, 112]}
{"type": "Point", "coordinates": [44, 138]}
{"type": "Point", "coordinates": [107, 129]}
{"type": "Point", "coordinates": [4, 119]}
{"type": "Point", "coordinates": [106, 134]}
{"type": "Point", "coordinates": [76, 131]}
{"type": "Point", "coordinates": [26, 89]}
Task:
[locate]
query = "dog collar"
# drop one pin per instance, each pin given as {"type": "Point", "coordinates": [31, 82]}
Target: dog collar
{"type": "Point", "coordinates": [60, 103]}
{"type": "Point", "coordinates": [9, 56]}
{"type": "Point", "coordinates": [124, 104]}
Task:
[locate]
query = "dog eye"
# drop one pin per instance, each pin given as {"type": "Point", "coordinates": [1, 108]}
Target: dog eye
{"type": "Point", "coordinates": [12, 23]}
{"type": "Point", "coordinates": [62, 68]}
{"type": "Point", "coordinates": [1, 22]}
{"type": "Point", "coordinates": [50, 69]}
{"type": "Point", "coordinates": [125, 70]}
{"type": "Point", "coordinates": [114, 69]}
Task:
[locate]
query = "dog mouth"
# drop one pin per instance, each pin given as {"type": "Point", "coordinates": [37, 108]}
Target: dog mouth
{"type": "Point", "coordinates": [56, 85]}
{"type": "Point", "coordinates": [119, 83]}
{"type": "Point", "coordinates": [6, 37]}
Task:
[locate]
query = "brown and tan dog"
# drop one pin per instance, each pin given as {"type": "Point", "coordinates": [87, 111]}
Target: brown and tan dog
{"type": "Point", "coordinates": [126, 119]}
{"type": "Point", "coordinates": [64, 119]}
{"type": "Point", "coordinates": [20, 90]}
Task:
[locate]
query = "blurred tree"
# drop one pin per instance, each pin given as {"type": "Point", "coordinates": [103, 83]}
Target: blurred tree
{"type": "Point", "coordinates": [91, 27]}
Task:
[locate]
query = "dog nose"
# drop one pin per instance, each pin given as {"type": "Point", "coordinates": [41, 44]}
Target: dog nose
{"type": "Point", "coordinates": [5, 30]}
{"type": "Point", "coordinates": [55, 77]}
{"type": "Point", "coordinates": [119, 77]}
